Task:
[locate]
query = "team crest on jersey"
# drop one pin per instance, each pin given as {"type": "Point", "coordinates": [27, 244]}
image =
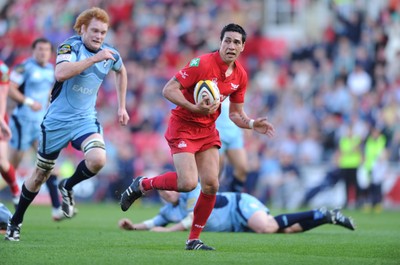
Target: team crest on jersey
{"type": "Point", "coordinates": [64, 49]}
{"type": "Point", "coordinates": [195, 62]}
{"type": "Point", "coordinates": [182, 144]}
{"type": "Point", "coordinates": [183, 74]}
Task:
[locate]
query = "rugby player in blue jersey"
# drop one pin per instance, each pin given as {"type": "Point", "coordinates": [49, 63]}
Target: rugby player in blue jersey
{"type": "Point", "coordinates": [82, 63]}
{"type": "Point", "coordinates": [234, 212]}
{"type": "Point", "coordinates": [30, 86]}
{"type": "Point", "coordinates": [232, 149]}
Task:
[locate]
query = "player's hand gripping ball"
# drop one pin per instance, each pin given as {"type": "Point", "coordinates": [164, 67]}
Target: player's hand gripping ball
{"type": "Point", "coordinates": [206, 88]}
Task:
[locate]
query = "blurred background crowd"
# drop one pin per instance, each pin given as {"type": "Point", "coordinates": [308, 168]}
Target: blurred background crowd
{"type": "Point", "coordinates": [322, 71]}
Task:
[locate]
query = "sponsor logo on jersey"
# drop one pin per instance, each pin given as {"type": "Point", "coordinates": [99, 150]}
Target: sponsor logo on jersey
{"type": "Point", "coordinates": [195, 62]}
{"type": "Point", "coordinates": [83, 90]}
{"type": "Point", "coordinates": [234, 86]}
{"type": "Point", "coordinates": [63, 57]}
{"type": "Point", "coordinates": [64, 49]}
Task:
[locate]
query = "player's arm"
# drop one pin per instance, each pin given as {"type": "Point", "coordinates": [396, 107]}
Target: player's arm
{"type": "Point", "coordinates": [20, 98]}
{"type": "Point", "coordinates": [5, 133]}
{"type": "Point", "coordinates": [3, 99]}
{"type": "Point", "coordinates": [173, 92]}
{"type": "Point", "coordinates": [183, 225]}
{"type": "Point", "coordinates": [121, 82]}
{"type": "Point", "coordinates": [66, 69]}
{"type": "Point", "coordinates": [240, 118]}
{"type": "Point", "coordinates": [127, 224]}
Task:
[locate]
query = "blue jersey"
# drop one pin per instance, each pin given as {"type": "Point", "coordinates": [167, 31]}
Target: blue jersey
{"type": "Point", "coordinates": [230, 134]}
{"type": "Point", "coordinates": [34, 81]}
{"type": "Point", "coordinates": [170, 213]}
{"type": "Point", "coordinates": [231, 212]}
{"type": "Point", "coordinates": [76, 97]}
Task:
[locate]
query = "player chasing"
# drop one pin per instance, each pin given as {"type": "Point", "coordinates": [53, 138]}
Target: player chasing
{"type": "Point", "coordinates": [30, 86]}
{"type": "Point", "coordinates": [191, 133]}
{"type": "Point", "coordinates": [234, 212]}
{"type": "Point", "coordinates": [82, 63]}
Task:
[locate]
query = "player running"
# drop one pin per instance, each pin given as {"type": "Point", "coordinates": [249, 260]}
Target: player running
{"type": "Point", "coordinates": [191, 133]}
{"type": "Point", "coordinates": [235, 212]}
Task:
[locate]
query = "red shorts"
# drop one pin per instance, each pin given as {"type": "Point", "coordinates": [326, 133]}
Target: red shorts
{"type": "Point", "coordinates": [184, 137]}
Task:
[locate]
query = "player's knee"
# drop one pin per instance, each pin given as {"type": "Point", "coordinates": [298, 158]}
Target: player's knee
{"type": "Point", "coordinates": [188, 185]}
{"type": "Point", "coordinates": [96, 162]}
{"type": "Point", "coordinates": [210, 187]}
{"type": "Point", "coordinates": [242, 172]}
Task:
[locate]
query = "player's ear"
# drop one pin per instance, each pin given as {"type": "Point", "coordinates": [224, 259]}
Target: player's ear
{"type": "Point", "coordinates": [83, 29]}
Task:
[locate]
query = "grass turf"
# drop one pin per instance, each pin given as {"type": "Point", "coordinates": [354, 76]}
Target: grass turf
{"type": "Point", "coordinates": [92, 237]}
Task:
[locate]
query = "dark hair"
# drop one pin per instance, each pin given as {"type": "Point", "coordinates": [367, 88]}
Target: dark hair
{"type": "Point", "coordinates": [40, 40]}
{"type": "Point", "coordinates": [234, 28]}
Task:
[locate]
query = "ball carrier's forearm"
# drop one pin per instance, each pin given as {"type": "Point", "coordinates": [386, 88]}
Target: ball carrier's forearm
{"type": "Point", "coordinates": [240, 118]}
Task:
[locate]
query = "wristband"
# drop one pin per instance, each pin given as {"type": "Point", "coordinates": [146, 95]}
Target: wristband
{"type": "Point", "coordinates": [28, 101]}
{"type": "Point", "coordinates": [251, 124]}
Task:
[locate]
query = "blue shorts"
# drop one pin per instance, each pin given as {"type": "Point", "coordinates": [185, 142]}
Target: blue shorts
{"type": "Point", "coordinates": [24, 133]}
{"type": "Point", "coordinates": [55, 135]}
{"type": "Point", "coordinates": [231, 138]}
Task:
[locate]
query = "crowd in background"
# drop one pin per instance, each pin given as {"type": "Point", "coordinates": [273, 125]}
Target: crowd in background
{"type": "Point", "coordinates": [313, 90]}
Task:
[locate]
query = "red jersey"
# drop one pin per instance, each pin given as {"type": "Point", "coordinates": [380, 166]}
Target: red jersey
{"type": "Point", "coordinates": [210, 67]}
{"type": "Point", "coordinates": [4, 74]}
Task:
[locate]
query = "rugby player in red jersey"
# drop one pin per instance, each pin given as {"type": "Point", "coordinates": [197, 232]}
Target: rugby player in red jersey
{"type": "Point", "coordinates": [191, 133]}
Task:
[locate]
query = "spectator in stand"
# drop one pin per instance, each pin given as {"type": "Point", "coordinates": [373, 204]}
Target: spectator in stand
{"type": "Point", "coordinates": [349, 160]}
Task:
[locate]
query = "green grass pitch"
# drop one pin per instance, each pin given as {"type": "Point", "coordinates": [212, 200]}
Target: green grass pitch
{"type": "Point", "coordinates": [92, 237]}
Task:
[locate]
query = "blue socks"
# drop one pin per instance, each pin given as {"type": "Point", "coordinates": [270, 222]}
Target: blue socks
{"type": "Point", "coordinates": [81, 173]}
{"type": "Point", "coordinates": [51, 184]}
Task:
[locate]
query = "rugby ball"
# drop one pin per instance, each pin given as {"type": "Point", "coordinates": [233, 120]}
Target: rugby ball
{"type": "Point", "coordinates": [206, 88]}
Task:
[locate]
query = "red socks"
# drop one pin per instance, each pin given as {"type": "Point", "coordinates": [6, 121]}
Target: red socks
{"type": "Point", "coordinates": [9, 177]}
{"type": "Point", "coordinates": [202, 211]}
{"type": "Point", "coordinates": [167, 181]}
